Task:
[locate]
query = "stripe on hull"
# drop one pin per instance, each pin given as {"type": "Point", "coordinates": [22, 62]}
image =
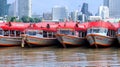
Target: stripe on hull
{"type": "Point", "coordinates": [10, 41]}
{"type": "Point", "coordinates": [70, 40]}
{"type": "Point", "coordinates": [41, 41]}
{"type": "Point", "coordinates": [100, 40]}
{"type": "Point", "coordinates": [73, 40]}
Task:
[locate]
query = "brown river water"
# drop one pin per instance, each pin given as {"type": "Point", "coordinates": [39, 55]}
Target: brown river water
{"type": "Point", "coordinates": [59, 57]}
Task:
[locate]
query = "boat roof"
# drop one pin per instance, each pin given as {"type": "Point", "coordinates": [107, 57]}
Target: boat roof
{"type": "Point", "coordinates": [71, 25]}
{"type": "Point", "coordinates": [101, 24]}
{"type": "Point", "coordinates": [4, 26]}
{"type": "Point", "coordinates": [19, 26]}
{"type": "Point", "coordinates": [46, 26]}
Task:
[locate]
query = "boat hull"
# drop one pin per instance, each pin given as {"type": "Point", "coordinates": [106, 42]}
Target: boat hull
{"type": "Point", "coordinates": [35, 41]}
{"type": "Point", "coordinates": [118, 38]}
{"type": "Point", "coordinates": [67, 40]}
{"type": "Point", "coordinates": [10, 41]}
{"type": "Point", "coordinates": [99, 40]}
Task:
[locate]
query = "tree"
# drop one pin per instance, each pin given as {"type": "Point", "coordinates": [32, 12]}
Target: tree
{"type": "Point", "coordinates": [31, 19]}
{"type": "Point", "coordinates": [37, 19]}
{"type": "Point", "coordinates": [25, 19]}
{"type": "Point", "coordinates": [12, 19]}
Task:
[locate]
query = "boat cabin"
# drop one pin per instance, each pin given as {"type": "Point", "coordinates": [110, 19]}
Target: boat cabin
{"type": "Point", "coordinates": [40, 33]}
{"type": "Point", "coordinates": [71, 28]}
{"type": "Point", "coordinates": [42, 30]}
{"type": "Point", "coordinates": [6, 30]}
{"type": "Point", "coordinates": [67, 31]}
{"type": "Point", "coordinates": [101, 28]}
{"type": "Point", "coordinates": [101, 31]}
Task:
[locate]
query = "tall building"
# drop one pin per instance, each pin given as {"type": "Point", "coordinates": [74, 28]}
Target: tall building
{"type": "Point", "coordinates": [103, 12]}
{"type": "Point", "coordinates": [47, 16]}
{"type": "Point", "coordinates": [12, 9]}
{"type": "Point", "coordinates": [24, 8]}
{"type": "Point", "coordinates": [114, 8]}
{"type": "Point", "coordinates": [74, 15]}
{"type": "Point", "coordinates": [84, 9]}
{"type": "Point", "coordinates": [3, 8]}
{"type": "Point", "coordinates": [59, 13]}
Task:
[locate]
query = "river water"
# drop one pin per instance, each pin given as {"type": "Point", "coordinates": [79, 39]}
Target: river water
{"type": "Point", "coordinates": [59, 57]}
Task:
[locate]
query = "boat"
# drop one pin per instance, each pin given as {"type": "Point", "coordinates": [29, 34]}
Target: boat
{"type": "Point", "coordinates": [117, 25]}
{"type": "Point", "coordinates": [10, 33]}
{"type": "Point", "coordinates": [71, 34]}
{"type": "Point", "coordinates": [41, 34]}
{"type": "Point", "coordinates": [101, 34]}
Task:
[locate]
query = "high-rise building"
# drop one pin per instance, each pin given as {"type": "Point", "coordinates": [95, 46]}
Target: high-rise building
{"type": "Point", "coordinates": [24, 8]}
{"type": "Point", "coordinates": [74, 15]}
{"type": "Point", "coordinates": [84, 9]}
{"type": "Point", "coordinates": [114, 9]}
{"type": "Point", "coordinates": [103, 12]}
{"type": "Point", "coordinates": [12, 9]}
{"type": "Point", "coordinates": [3, 8]}
{"type": "Point", "coordinates": [59, 13]}
{"type": "Point", "coordinates": [47, 16]}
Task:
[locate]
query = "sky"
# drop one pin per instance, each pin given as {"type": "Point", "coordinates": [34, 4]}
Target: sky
{"type": "Point", "coordinates": [40, 6]}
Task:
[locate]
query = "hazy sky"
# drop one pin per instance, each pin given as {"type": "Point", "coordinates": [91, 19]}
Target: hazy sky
{"type": "Point", "coordinates": [40, 6]}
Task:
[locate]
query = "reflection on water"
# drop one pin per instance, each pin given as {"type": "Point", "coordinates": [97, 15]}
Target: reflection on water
{"type": "Point", "coordinates": [59, 57]}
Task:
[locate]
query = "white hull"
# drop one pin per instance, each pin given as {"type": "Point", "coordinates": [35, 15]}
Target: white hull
{"type": "Point", "coordinates": [41, 41]}
{"type": "Point", "coordinates": [10, 41]}
{"type": "Point", "coordinates": [70, 40]}
{"type": "Point", "coordinates": [99, 40]}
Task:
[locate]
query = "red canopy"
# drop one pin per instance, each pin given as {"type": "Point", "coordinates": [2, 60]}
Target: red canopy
{"type": "Point", "coordinates": [4, 26]}
{"type": "Point", "coordinates": [46, 26]}
{"type": "Point", "coordinates": [19, 26]}
{"type": "Point", "coordinates": [101, 24]}
{"type": "Point", "coordinates": [81, 27]}
{"type": "Point", "coordinates": [71, 25]}
{"type": "Point", "coordinates": [116, 25]}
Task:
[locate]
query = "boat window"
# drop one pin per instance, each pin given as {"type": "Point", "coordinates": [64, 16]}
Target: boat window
{"type": "Point", "coordinates": [119, 30]}
{"type": "Point", "coordinates": [73, 33]}
{"type": "Point", "coordinates": [89, 31]}
{"type": "Point", "coordinates": [98, 31]}
{"type": "Point", "coordinates": [67, 32]}
{"type": "Point", "coordinates": [50, 34]}
{"type": "Point", "coordinates": [44, 34]}
{"type": "Point", "coordinates": [33, 33]}
{"type": "Point", "coordinates": [41, 32]}
{"type": "Point", "coordinates": [1, 32]}
{"type": "Point", "coordinates": [64, 31]}
{"type": "Point", "coordinates": [103, 30]}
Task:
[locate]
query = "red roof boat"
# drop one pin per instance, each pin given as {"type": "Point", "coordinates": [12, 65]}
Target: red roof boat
{"type": "Point", "coordinates": [100, 33]}
{"type": "Point", "coordinates": [117, 25]}
{"type": "Point", "coordinates": [41, 34]}
{"type": "Point", "coordinates": [71, 34]}
{"type": "Point", "coordinates": [10, 33]}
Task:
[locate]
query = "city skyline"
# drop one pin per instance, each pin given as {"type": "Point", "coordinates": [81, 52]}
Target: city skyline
{"type": "Point", "coordinates": [46, 5]}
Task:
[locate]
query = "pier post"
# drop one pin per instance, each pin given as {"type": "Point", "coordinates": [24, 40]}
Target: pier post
{"type": "Point", "coordinates": [64, 45]}
{"type": "Point", "coordinates": [96, 45]}
{"type": "Point", "coordinates": [23, 41]}
{"type": "Point", "coordinates": [22, 45]}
